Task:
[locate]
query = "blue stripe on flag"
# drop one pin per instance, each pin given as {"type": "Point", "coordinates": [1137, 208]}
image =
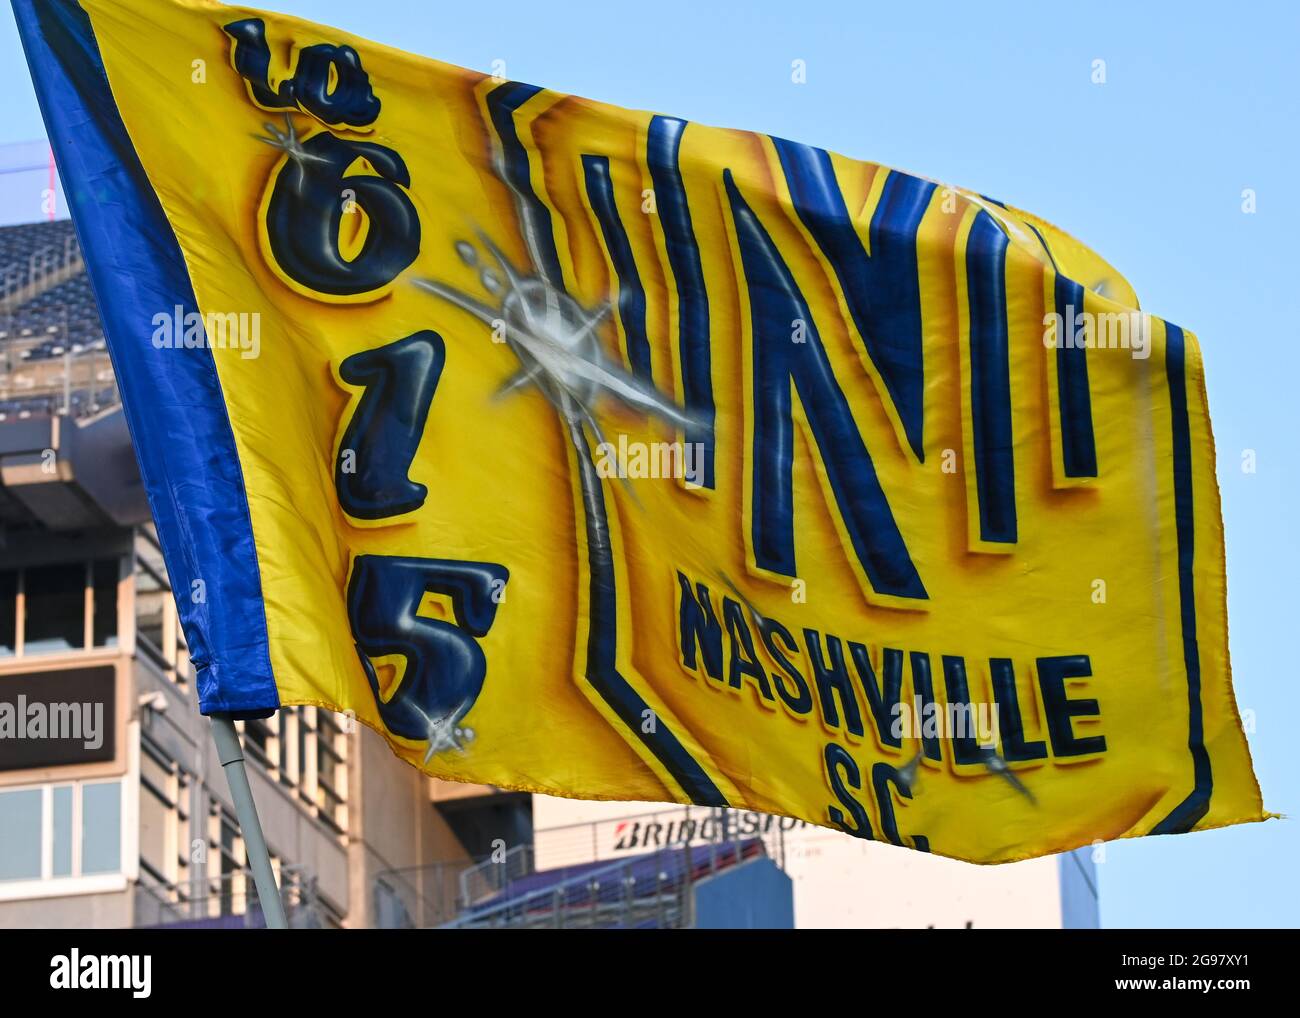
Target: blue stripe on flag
{"type": "Point", "coordinates": [172, 398]}
{"type": "Point", "coordinates": [990, 389]}
{"type": "Point", "coordinates": [1197, 804]}
{"type": "Point", "coordinates": [663, 146]}
{"type": "Point", "coordinates": [631, 294]}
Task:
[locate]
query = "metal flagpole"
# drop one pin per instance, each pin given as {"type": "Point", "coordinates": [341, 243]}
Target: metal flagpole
{"type": "Point", "coordinates": [231, 755]}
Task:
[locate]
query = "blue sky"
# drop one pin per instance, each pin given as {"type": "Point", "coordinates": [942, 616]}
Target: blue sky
{"type": "Point", "coordinates": [1199, 104]}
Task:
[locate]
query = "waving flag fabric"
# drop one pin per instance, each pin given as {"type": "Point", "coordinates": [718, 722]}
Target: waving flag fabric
{"type": "Point", "coordinates": [598, 453]}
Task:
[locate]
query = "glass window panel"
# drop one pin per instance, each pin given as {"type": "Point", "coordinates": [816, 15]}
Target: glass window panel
{"type": "Point", "coordinates": [105, 620]}
{"type": "Point", "coordinates": [20, 834]}
{"type": "Point", "coordinates": [149, 616]}
{"type": "Point", "coordinates": [229, 867]}
{"type": "Point", "coordinates": [101, 828]}
{"type": "Point", "coordinates": [302, 744]}
{"type": "Point", "coordinates": [56, 609]}
{"type": "Point", "coordinates": [226, 888]}
{"type": "Point", "coordinates": [257, 738]}
{"type": "Point", "coordinates": [8, 612]}
{"type": "Point", "coordinates": [228, 835]}
{"type": "Point", "coordinates": [63, 831]}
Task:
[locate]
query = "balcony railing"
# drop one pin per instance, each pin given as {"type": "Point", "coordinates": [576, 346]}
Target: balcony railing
{"type": "Point", "coordinates": [40, 271]}
{"type": "Point", "coordinates": [490, 877]}
{"type": "Point", "coordinates": [227, 902]}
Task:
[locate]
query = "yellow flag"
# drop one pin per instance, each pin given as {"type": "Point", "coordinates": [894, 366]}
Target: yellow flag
{"type": "Point", "coordinates": [593, 452]}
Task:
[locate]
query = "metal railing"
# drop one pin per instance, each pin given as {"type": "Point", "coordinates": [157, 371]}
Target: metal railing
{"type": "Point", "coordinates": [418, 897]}
{"type": "Point", "coordinates": [41, 270]}
{"type": "Point", "coordinates": [48, 366]}
{"type": "Point", "coordinates": [74, 383]}
{"type": "Point", "coordinates": [227, 901]}
{"type": "Point", "coordinates": [493, 875]}
{"type": "Point", "coordinates": [652, 891]}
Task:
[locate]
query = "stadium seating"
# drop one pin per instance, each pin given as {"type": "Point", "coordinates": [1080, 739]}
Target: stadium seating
{"type": "Point", "coordinates": [646, 891]}
{"type": "Point", "coordinates": [19, 243]}
{"type": "Point", "coordinates": [53, 316]}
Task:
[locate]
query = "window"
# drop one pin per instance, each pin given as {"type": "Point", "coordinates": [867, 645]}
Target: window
{"type": "Point", "coordinates": [104, 612]}
{"type": "Point", "coordinates": [306, 749]}
{"type": "Point", "coordinates": [55, 598]}
{"type": "Point", "coordinates": [101, 828]}
{"type": "Point", "coordinates": [331, 770]}
{"type": "Point", "coordinates": [64, 607]}
{"type": "Point", "coordinates": [315, 761]}
{"type": "Point", "coordinates": [20, 834]}
{"type": "Point", "coordinates": [305, 733]}
{"type": "Point", "coordinates": [288, 727]}
{"type": "Point", "coordinates": [8, 613]}
{"type": "Point", "coordinates": [150, 607]}
{"type": "Point", "coordinates": [257, 740]}
{"type": "Point", "coordinates": [229, 887]}
{"type": "Point", "coordinates": [62, 819]}
{"type": "Point", "coordinates": [65, 830]}
{"type": "Point", "coordinates": [61, 607]}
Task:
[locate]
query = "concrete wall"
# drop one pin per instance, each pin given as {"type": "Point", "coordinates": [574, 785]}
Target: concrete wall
{"type": "Point", "coordinates": [756, 895]}
{"type": "Point", "coordinates": [110, 910]}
